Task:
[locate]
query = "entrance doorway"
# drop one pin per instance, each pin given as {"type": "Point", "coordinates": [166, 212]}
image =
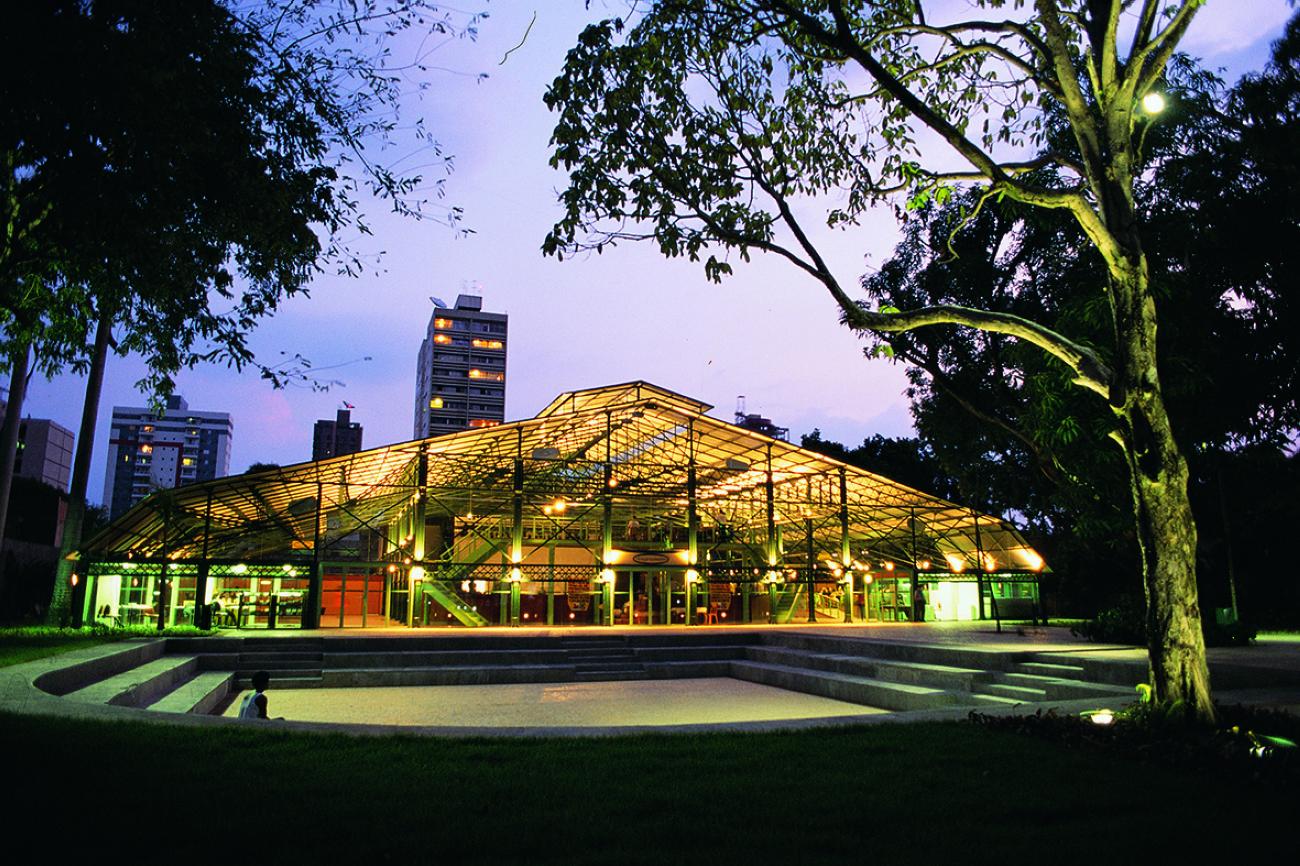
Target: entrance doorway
{"type": "Point", "coordinates": [354, 597]}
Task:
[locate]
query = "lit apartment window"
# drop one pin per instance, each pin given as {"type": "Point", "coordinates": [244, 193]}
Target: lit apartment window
{"type": "Point", "coordinates": [488, 344]}
{"type": "Point", "coordinates": [435, 403]}
{"type": "Point", "coordinates": [442, 324]}
{"type": "Point", "coordinates": [441, 338]}
{"type": "Point", "coordinates": [146, 449]}
{"type": "Point", "coordinates": [188, 461]}
{"type": "Point", "coordinates": [148, 428]}
{"type": "Point", "coordinates": [485, 374]}
{"type": "Point", "coordinates": [483, 422]}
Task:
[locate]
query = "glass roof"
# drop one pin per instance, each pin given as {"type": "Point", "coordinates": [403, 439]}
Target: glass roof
{"type": "Point", "coordinates": [634, 444]}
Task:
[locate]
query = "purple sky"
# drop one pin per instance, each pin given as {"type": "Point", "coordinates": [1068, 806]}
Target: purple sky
{"type": "Point", "coordinates": [768, 332]}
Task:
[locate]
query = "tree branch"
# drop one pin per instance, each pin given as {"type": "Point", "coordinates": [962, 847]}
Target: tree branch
{"type": "Point", "coordinates": [1090, 371]}
{"type": "Point", "coordinates": [1046, 461]}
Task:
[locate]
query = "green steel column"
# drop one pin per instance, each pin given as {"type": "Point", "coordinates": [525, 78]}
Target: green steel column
{"type": "Point", "coordinates": [649, 598]}
{"type": "Point", "coordinates": [769, 495]}
{"type": "Point", "coordinates": [163, 600]}
{"type": "Point", "coordinates": [979, 565]}
{"type": "Point", "coordinates": [745, 589]}
{"type": "Point", "coordinates": [607, 542]}
{"type": "Point", "coordinates": [692, 532]}
{"type": "Point", "coordinates": [418, 510]}
{"type": "Point", "coordinates": [667, 578]}
{"type": "Point", "coordinates": [769, 490]}
{"type": "Point", "coordinates": [550, 584]}
{"type": "Point", "coordinates": [516, 537]}
{"type": "Point", "coordinates": [812, 571]}
{"type": "Point", "coordinates": [410, 595]}
{"type": "Point", "coordinates": [201, 617]}
{"type": "Point", "coordinates": [388, 592]}
{"type": "Point", "coordinates": [846, 555]}
{"type": "Point", "coordinates": [607, 593]}
{"type": "Point", "coordinates": [311, 607]}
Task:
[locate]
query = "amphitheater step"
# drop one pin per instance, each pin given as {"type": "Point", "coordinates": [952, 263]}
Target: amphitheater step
{"type": "Point", "coordinates": [610, 667]}
{"type": "Point", "coordinates": [250, 657]}
{"type": "Point", "coordinates": [1047, 669]}
{"type": "Point", "coordinates": [1065, 689]}
{"type": "Point", "coordinates": [200, 694]}
{"type": "Point", "coordinates": [139, 686]}
{"type": "Point", "coordinates": [995, 701]}
{"type": "Point", "coordinates": [1025, 694]}
{"type": "Point", "coordinates": [867, 691]}
{"type": "Point", "coordinates": [274, 662]}
{"type": "Point", "coordinates": [610, 676]}
{"type": "Point", "coordinates": [282, 677]}
{"type": "Point", "coordinates": [908, 672]}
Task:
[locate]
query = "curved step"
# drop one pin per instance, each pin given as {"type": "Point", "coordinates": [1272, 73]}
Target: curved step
{"type": "Point", "coordinates": [139, 686]}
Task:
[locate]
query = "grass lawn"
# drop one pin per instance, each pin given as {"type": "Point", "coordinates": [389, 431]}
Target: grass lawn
{"type": "Point", "coordinates": [18, 648]}
{"type": "Point", "coordinates": [29, 643]}
{"type": "Point", "coordinates": [933, 793]}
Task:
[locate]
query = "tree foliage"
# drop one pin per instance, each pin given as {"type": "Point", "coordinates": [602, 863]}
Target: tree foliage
{"type": "Point", "coordinates": [186, 167]}
{"type": "Point", "coordinates": [1222, 235]}
{"type": "Point", "coordinates": [713, 123]}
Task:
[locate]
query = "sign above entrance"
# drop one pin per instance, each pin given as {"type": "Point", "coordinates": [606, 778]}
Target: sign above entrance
{"type": "Point", "coordinates": [667, 558]}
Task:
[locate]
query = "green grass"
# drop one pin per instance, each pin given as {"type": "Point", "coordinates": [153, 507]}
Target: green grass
{"type": "Point", "coordinates": [922, 793]}
{"type": "Point", "coordinates": [29, 643]}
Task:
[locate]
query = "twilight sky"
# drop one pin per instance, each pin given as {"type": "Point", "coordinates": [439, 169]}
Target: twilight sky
{"type": "Point", "coordinates": [768, 332]}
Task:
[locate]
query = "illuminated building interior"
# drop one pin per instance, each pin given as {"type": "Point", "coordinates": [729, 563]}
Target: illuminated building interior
{"type": "Point", "coordinates": [624, 504]}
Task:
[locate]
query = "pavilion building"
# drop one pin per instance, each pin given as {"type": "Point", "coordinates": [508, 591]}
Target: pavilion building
{"type": "Point", "coordinates": [625, 504]}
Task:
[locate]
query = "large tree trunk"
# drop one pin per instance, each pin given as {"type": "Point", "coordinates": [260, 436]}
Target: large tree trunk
{"type": "Point", "coordinates": [59, 603]}
{"type": "Point", "coordinates": [9, 444]}
{"type": "Point", "coordinates": [1166, 527]}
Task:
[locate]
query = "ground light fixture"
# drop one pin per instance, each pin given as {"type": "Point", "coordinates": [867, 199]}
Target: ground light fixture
{"type": "Point", "coordinates": [1100, 717]}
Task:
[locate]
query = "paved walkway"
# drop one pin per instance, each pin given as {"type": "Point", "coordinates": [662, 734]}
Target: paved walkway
{"type": "Point", "coordinates": [709, 701]}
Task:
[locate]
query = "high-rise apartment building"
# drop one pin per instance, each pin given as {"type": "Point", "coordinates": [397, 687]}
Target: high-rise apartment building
{"type": "Point", "coordinates": [460, 380]}
{"type": "Point", "coordinates": [147, 452]}
{"type": "Point", "coordinates": [332, 438]}
{"type": "Point", "coordinates": [44, 452]}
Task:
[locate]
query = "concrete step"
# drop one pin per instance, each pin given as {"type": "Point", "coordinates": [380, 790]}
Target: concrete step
{"type": "Point", "coordinates": [609, 668]}
{"type": "Point", "coordinates": [280, 676]}
{"type": "Point", "coordinates": [447, 676]}
{"type": "Point", "coordinates": [609, 676]}
{"type": "Point", "coordinates": [1066, 689]}
{"type": "Point", "coordinates": [200, 694]}
{"type": "Point", "coordinates": [291, 644]}
{"type": "Point", "coordinates": [279, 664]}
{"type": "Point", "coordinates": [454, 658]}
{"type": "Point", "coordinates": [251, 658]}
{"type": "Point", "coordinates": [599, 655]}
{"type": "Point", "coordinates": [1050, 669]}
{"type": "Point", "coordinates": [912, 673]}
{"type": "Point", "coordinates": [995, 701]}
{"type": "Point", "coordinates": [592, 643]}
{"type": "Point", "coordinates": [140, 686]}
{"type": "Point", "coordinates": [867, 691]}
{"type": "Point", "coordinates": [658, 655]}
{"type": "Point", "coordinates": [1018, 693]}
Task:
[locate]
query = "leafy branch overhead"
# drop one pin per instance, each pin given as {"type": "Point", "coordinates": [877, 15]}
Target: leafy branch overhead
{"type": "Point", "coordinates": [708, 123]}
{"type": "Point", "coordinates": [199, 163]}
{"type": "Point", "coordinates": [716, 124]}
